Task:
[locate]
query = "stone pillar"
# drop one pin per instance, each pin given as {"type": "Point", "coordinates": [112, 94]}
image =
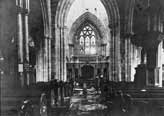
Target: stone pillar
{"type": "Point", "coordinates": [128, 58]}
{"type": "Point", "coordinates": [19, 4]}
{"type": "Point", "coordinates": [45, 60]}
{"type": "Point", "coordinates": [49, 39]}
{"type": "Point", "coordinates": [113, 70]}
{"type": "Point", "coordinates": [53, 58]}
{"type": "Point", "coordinates": [65, 52]}
{"type": "Point", "coordinates": [49, 59]}
{"type": "Point", "coordinates": [60, 53]}
{"type": "Point", "coordinates": [40, 65]}
{"type": "Point", "coordinates": [57, 54]}
{"type": "Point", "coordinates": [155, 22]}
{"type": "Point", "coordinates": [115, 55]}
{"type": "Point", "coordinates": [26, 36]}
{"type": "Point", "coordinates": [158, 69]}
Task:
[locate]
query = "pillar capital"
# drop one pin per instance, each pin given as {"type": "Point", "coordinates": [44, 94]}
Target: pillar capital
{"type": "Point", "coordinates": [22, 10]}
{"type": "Point", "coordinates": [148, 39]}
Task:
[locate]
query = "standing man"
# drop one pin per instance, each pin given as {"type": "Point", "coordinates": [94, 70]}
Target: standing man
{"type": "Point", "coordinates": [97, 83]}
{"type": "Point", "coordinates": [61, 92]}
{"type": "Point", "coordinates": [43, 105]}
{"type": "Point", "coordinates": [85, 90]}
{"type": "Point", "coordinates": [55, 88]}
{"type": "Point", "coordinates": [71, 82]}
{"type": "Point", "coordinates": [101, 84]}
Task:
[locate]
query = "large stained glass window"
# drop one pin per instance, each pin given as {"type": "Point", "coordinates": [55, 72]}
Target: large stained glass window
{"type": "Point", "coordinates": [87, 41]}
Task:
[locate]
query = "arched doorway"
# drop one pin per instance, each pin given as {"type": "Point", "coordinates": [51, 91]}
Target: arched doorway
{"type": "Point", "coordinates": [87, 72]}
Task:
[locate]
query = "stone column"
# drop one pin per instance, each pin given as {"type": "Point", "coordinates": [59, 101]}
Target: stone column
{"type": "Point", "coordinates": [128, 59]}
{"type": "Point", "coordinates": [65, 52]}
{"type": "Point", "coordinates": [45, 59]}
{"type": "Point", "coordinates": [40, 65]}
{"type": "Point", "coordinates": [115, 55]}
{"type": "Point", "coordinates": [113, 71]}
{"type": "Point", "coordinates": [57, 53]}
{"type": "Point", "coordinates": [49, 59]}
{"type": "Point", "coordinates": [158, 69]}
{"type": "Point", "coordinates": [26, 36]}
{"type": "Point", "coordinates": [60, 53]}
{"type": "Point", "coordinates": [19, 4]}
{"type": "Point", "coordinates": [49, 39]}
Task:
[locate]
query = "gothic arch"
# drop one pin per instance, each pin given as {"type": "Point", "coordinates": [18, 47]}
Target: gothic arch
{"type": "Point", "coordinates": [60, 17]}
{"type": "Point", "coordinates": [110, 6]}
{"type": "Point", "coordinates": [87, 18]}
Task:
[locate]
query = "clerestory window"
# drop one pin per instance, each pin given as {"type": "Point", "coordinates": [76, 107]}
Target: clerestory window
{"type": "Point", "coordinates": [87, 41]}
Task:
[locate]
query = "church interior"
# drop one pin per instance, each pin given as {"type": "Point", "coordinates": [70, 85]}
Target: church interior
{"type": "Point", "coordinates": [52, 49]}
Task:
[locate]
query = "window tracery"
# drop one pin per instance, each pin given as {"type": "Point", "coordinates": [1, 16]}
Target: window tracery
{"type": "Point", "coordinates": [87, 40]}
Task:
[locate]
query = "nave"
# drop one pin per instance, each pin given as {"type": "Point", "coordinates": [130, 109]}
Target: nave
{"type": "Point", "coordinates": [86, 100]}
{"type": "Point", "coordinates": [46, 40]}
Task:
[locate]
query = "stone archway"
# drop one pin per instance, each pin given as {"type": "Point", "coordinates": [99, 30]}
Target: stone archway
{"type": "Point", "coordinates": [58, 23]}
{"type": "Point", "coordinates": [88, 18]}
{"type": "Point", "coordinates": [103, 34]}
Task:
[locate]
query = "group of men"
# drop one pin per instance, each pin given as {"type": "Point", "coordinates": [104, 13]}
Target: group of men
{"type": "Point", "coordinates": [107, 90]}
{"type": "Point", "coordinates": [60, 89]}
{"type": "Point", "coordinates": [110, 91]}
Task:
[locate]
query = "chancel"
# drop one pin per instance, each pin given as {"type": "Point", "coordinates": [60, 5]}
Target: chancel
{"type": "Point", "coordinates": [82, 57]}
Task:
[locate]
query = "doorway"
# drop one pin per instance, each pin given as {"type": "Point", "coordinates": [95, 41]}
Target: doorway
{"type": "Point", "coordinates": [87, 72]}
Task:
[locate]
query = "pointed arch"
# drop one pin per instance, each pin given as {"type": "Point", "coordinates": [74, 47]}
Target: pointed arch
{"type": "Point", "coordinates": [111, 7]}
{"type": "Point", "coordinates": [88, 18]}
{"type": "Point", "coordinates": [60, 17]}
